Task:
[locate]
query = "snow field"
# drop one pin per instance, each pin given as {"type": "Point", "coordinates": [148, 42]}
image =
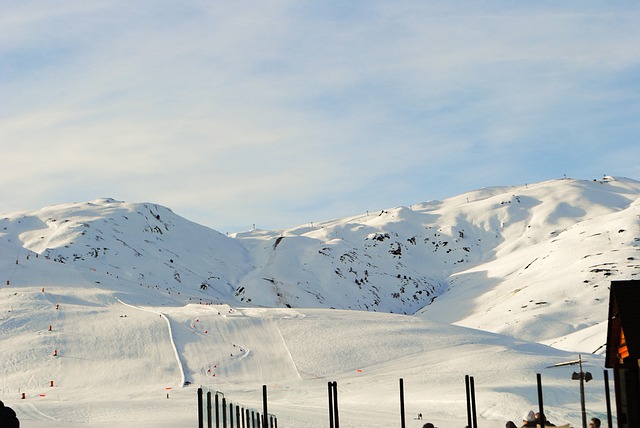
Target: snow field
{"type": "Point", "coordinates": [116, 362]}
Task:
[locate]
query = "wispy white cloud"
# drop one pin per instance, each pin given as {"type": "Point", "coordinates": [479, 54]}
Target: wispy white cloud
{"type": "Point", "coordinates": [288, 110]}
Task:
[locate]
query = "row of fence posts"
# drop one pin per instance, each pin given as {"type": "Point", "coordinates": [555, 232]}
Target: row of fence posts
{"type": "Point", "coordinates": [244, 418]}
{"type": "Point", "coordinates": [472, 418]}
{"type": "Point", "coordinates": [248, 418]}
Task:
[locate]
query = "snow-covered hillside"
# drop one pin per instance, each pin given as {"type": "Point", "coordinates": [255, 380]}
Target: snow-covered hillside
{"type": "Point", "coordinates": [147, 299]}
{"type": "Point", "coordinates": [496, 259]}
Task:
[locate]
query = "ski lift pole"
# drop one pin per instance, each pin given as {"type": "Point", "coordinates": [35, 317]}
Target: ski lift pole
{"type": "Point", "coordinates": [582, 377]}
{"type": "Point", "coordinates": [582, 405]}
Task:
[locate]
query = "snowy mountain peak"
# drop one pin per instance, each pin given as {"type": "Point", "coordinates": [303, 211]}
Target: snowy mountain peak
{"type": "Point", "coordinates": [516, 252]}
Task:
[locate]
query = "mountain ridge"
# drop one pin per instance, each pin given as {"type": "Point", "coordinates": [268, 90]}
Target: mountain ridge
{"type": "Point", "coordinates": [502, 243]}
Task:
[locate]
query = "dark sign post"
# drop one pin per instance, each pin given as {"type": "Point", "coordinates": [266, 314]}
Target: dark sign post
{"type": "Point", "coordinates": [583, 377]}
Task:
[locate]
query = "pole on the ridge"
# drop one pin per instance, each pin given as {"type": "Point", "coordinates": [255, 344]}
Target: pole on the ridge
{"type": "Point", "coordinates": [468, 389]}
{"type": "Point", "coordinates": [402, 421]}
{"type": "Point", "coordinates": [540, 404]}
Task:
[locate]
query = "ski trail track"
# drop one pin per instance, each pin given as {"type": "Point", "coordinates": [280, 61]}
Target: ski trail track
{"type": "Point", "coordinates": [222, 344]}
{"type": "Point", "coordinates": [93, 352]}
{"type": "Point", "coordinates": [170, 332]}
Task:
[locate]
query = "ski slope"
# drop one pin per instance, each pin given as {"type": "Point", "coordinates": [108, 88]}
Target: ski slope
{"type": "Point", "coordinates": [106, 307]}
{"type": "Point", "coordinates": [116, 360]}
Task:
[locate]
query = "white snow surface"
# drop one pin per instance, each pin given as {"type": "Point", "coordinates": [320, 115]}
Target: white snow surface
{"type": "Point", "coordinates": [496, 283]}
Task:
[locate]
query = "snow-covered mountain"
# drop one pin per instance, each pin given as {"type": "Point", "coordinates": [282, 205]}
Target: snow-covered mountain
{"type": "Point", "coordinates": [531, 263]}
{"type": "Point", "coordinates": [497, 259]}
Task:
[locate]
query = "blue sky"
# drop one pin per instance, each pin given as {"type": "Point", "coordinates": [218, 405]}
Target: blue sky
{"type": "Point", "coordinates": [280, 113]}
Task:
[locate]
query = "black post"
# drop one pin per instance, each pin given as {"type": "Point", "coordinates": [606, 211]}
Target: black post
{"type": "Point", "coordinates": [473, 402]}
{"type": "Point", "coordinates": [230, 415]}
{"type": "Point", "coordinates": [543, 418]}
{"type": "Point", "coordinates": [468, 387]}
{"type": "Point", "coordinates": [209, 409]}
{"type": "Point", "coordinates": [402, 422]}
{"type": "Point", "coordinates": [335, 403]}
{"type": "Point", "coordinates": [265, 415]}
{"type": "Point", "coordinates": [582, 405]}
{"type": "Point", "coordinates": [224, 412]}
{"type": "Point", "coordinates": [330, 389]}
{"type": "Point", "coordinates": [606, 391]}
{"type": "Point", "coordinates": [258, 419]}
{"type": "Point", "coordinates": [248, 419]}
{"type": "Point", "coordinates": [200, 410]}
{"type": "Point", "coordinates": [217, 404]}
{"type": "Point", "coordinates": [253, 419]}
{"type": "Point", "coordinates": [238, 416]}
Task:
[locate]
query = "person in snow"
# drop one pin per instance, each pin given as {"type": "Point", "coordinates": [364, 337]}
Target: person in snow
{"type": "Point", "coordinates": [8, 418]}
{"type": "Point", "coordinates": [529, 419]}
